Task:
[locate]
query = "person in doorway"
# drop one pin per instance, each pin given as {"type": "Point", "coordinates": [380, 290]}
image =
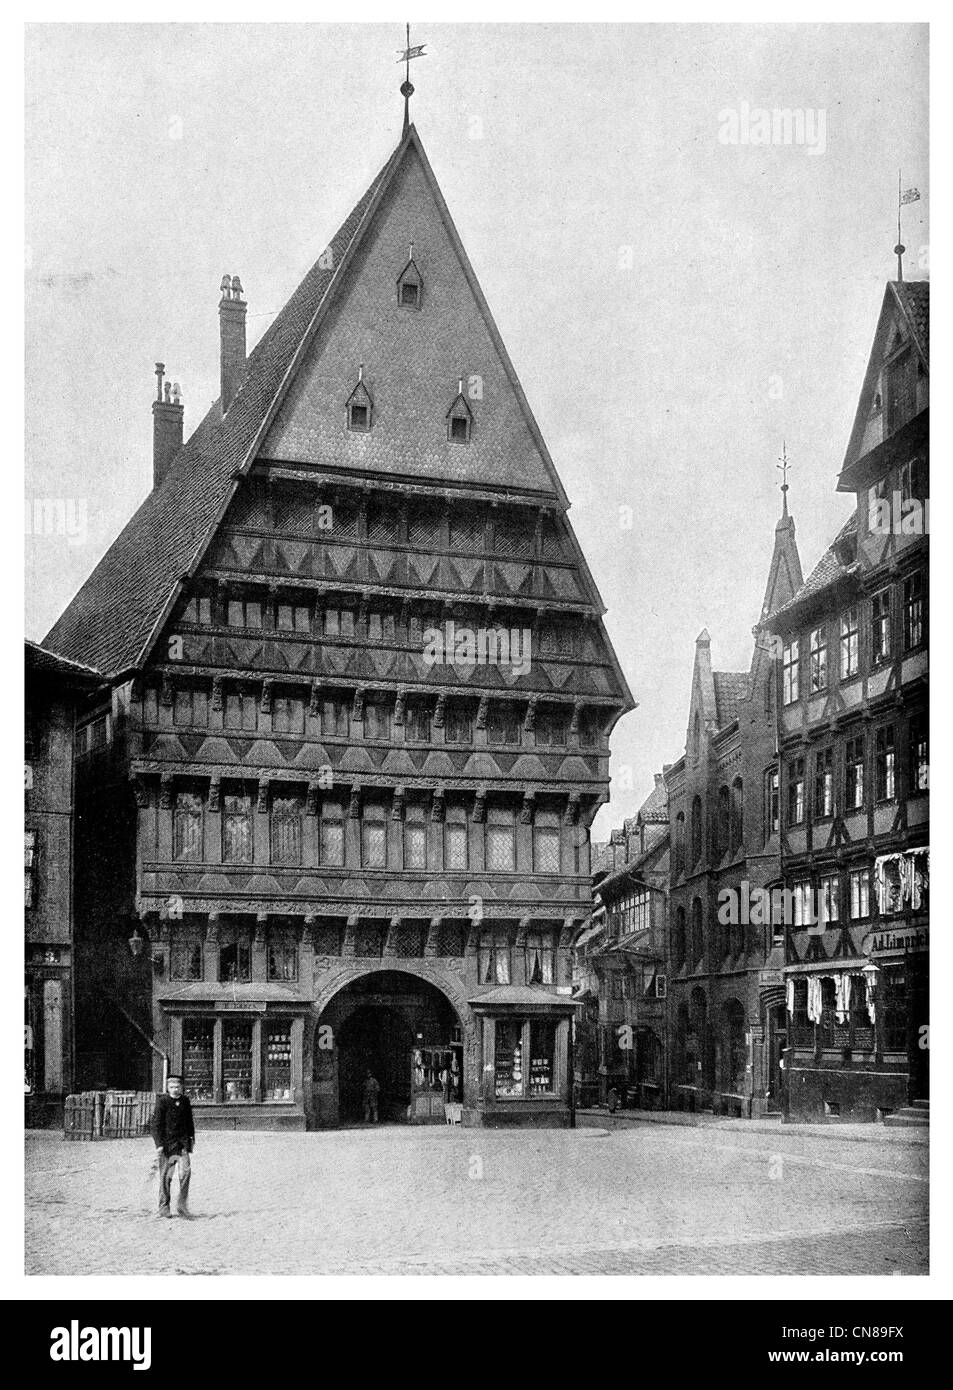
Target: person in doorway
{"type": "Point", "coordinates": [173, 1133]}
{"type": "Point", "coordinates": [372, 1091]}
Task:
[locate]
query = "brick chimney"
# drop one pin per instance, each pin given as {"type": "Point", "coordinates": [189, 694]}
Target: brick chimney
{"type": "Point", "coordinates": [231, 318]}
{"type": "Point", "coordinates": [167, 416]}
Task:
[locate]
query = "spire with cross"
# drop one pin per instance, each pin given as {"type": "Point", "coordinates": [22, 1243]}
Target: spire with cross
{"type": "Point", "coordinates": [783, 465]}
{"type": "Point", "coordinates": [407, 87]}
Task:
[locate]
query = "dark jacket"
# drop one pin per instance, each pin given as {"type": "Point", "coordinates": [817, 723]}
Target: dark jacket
{"type": "Point", "coordinates": [172, 1127]}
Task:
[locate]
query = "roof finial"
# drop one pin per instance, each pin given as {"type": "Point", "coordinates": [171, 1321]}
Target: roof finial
{"type": "Point", "coordinates": [909, 195]}
{"type": "Point", "coordinates": [783, 464]}
{"type": "Point", "coordinates": [407, 87]}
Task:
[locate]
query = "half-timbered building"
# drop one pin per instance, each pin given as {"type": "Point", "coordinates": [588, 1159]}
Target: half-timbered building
{"type": "Point", "coordinates": [360, 697]}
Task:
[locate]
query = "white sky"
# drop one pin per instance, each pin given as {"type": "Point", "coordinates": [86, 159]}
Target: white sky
{"type": "Point", "coordinates": [159, 157]}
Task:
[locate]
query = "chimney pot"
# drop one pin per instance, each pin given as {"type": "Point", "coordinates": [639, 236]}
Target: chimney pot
{"type": "Point", "coordinates": [167, 419]}
{"type": "Point", "coordinates": [231, 319]}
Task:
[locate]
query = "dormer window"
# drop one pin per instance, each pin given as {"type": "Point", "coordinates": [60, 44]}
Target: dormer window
{"type": "Point", "coordinates": [410, 286]}
{"type": "Point", "coordinates": [359, 406]}
{"type": "Point", "coordinates": [459, 419]}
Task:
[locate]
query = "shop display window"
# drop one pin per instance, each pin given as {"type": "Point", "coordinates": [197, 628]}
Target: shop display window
{"type": "Point", "coordinates": [198, 1052]}
{"type": "Point", "coordinates": [525, 1062]}
{"type": "Point", "coordinates": [278, 1062]}
{"type": "Point", "coordinates": [236, 1060]}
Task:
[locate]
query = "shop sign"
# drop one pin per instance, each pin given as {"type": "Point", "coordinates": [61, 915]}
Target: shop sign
{"type": "Point", "coordinates": [770, 977]}
{"type": "Point", "coordinates": [899, 940]}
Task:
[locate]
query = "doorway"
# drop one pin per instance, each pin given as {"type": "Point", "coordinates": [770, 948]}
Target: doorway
{"type": "Point", "coordinates": [379, 1023]}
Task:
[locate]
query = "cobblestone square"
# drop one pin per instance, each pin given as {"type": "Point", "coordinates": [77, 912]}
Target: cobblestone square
{"type": "Point", "coordinates": [652, 1199]}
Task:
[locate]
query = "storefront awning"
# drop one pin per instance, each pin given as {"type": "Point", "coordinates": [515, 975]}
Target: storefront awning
{"type": "Point", "coordinates": [520, 997]}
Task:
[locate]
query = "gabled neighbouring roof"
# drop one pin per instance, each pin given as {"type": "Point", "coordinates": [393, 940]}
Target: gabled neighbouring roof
{"type": "Point", "coordinates": [119, 611]}
{"type": "Point", "coordinates": [829, 570]}
{"type": "Point", "coordinates": [912, 299]}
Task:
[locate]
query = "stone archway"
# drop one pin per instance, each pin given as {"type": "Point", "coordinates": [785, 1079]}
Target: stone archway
{"type": "Point", "coordinates": [370, 1015]}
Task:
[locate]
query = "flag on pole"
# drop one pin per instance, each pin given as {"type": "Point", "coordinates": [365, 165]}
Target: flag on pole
{"type": "Point", "coordinates": [909, 195]}
{"type": "Point", "coordinates": [418, 52]}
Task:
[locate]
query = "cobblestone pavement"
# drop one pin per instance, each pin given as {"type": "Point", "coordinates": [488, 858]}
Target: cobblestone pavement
{"type": "Point", "coordinates": [390, 1200]}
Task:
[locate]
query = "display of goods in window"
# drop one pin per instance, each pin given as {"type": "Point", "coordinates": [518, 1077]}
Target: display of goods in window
{"type": "Point", "coordinates": [236, 1063]}
{"type": "Point", "coordinates": [198, 1065]}
{"type": "Point", "coordinates": [278, 1065]}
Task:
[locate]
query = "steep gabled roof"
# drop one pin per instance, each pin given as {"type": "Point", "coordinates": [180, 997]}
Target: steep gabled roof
{"type": "Point", "coordinates": [113, 617]}
{"type": "Point", "coordinates": [911, 299]}
{"type": "Point", "coordinates": [830, 569]}
{"type": "Point", "coordinates": [119, 612]}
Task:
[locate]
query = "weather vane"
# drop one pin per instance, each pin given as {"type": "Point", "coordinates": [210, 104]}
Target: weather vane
{"type": "Point", "coordinates": [783, 465]}
{"type": "Point", "coordinates": [904, 196]}
{"type": "Point", "coordinates": [407, 87]}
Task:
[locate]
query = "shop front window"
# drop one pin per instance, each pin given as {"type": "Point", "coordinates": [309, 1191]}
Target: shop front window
{"type": "Point", "coordinates": [278, 1062]}
{"type": "Point", "coordinates": [236, 1060]}
{"type": "Point", "coordinates": [198, 1056]}
{"type": "Point", "coordinates": [525, 1053]}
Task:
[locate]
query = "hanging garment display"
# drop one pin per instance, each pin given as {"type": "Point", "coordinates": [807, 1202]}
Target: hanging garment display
{"type": "Point", "coordinates": [789, 989]}
{"type": "Point", "coordinates": [871, 1006]}
{"type": "Point", "coordinates": [842, 996]}
{"type": "Point", "coordinates": [814, 998]}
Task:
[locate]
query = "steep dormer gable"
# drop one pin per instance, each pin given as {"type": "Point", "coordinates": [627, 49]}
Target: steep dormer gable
{"type": "Point", "coordinates": [894, 398]}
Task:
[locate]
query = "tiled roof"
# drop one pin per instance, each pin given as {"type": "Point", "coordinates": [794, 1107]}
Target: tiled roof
{"type": "Point", "coordinates": [43, 663]}
{"type": "Point", "coordinates": [112, 617]}
{"type": "Point", "coordinates": [914, 297]}
{"type": "Point", "coordinates": [731, 687]}
{"type": "Point", "coordinates": [827, 571]}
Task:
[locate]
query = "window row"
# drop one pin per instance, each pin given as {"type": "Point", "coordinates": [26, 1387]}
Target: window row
{"type": "Point", "coordinates": [895, 624]}
{"type": "Point", "coordinates": [287, 829]}
{"type": "Point", "coordinates": [840, 782]}
{"type": "Point", "coordinates": [378, 715]}
{"type": "Point", "coordinates": [234, 955]}
{"type": "Point", "coordinates": [343, 619]}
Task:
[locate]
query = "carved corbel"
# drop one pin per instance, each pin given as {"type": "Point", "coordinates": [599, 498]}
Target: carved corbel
{"type": "Point", "coordinates": [308, 929]}
{"type": "Point", "coordinates": [432, 944]}
{"type": "Point", "coordinates": [390, 938]}
{"type": "Point", "coordinates": [482, 712]}
{"type": "Point", "coordinates": [214, 794]}
{"type": "Point", "coordinates": [528, 808]}
{"type": "Point", "coordinates": [167, 693]}
{"type": "Point", "coordinates": [439, 808]}
{"type": "Point", "coordinates": [522, 928]}
{"type": "Point", "coordinates": [266, 692]}
{"type": "Point", "coordinates": [399, 707]}
{"type": "Point", "coordinates": [263, 796]}
{"type": "Point", "coordinates": [479, 807]}
{"type": "Point", "coordinates": [576, 716]}
{"type": "Point", "coordinates": [354, 806]}
{"type": "Point", "coordinates": [572, 809]}
{"type": "Point", "coordinates": [311, 801]}
{"type": "Point", "coordinates": [261, 928]}
{"type": "Point", "coordinates": [357, 706]}
{"type": "Point", "coordinates": [140, 790]}
{"type": "Point", "coordinates": [314, 706]}
{"type": "Point", "coordinates": [349, 944]}
{"type": "Point", "coordinates": [216, 692]}
{"type": "Point", "coordinates": [529, 723]}
{"type": "Point", "coordinates": [568, 932]}
{"type": "Point", "coordinates": [440, 711]}
{"type": "Point", "coordinates": [212, 929]}
{"type": "Point", "coordinates": [166, 792]}
{"type": "Point", "coordinates": [397, 809]}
